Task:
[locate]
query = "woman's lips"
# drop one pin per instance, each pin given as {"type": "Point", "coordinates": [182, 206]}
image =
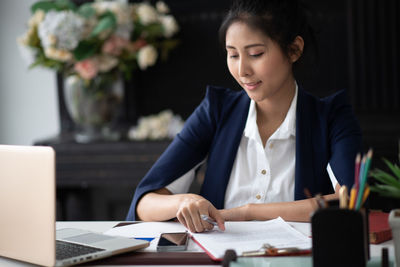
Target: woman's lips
{"type": "Point", "coordinates": [251, 86]}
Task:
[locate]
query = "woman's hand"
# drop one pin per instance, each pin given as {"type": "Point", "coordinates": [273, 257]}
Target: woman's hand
{"type": "Point", "coordinates": [192, 207]}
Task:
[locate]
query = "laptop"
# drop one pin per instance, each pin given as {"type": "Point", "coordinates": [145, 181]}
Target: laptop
{"type": "Point", "coordinates": [27, 214]}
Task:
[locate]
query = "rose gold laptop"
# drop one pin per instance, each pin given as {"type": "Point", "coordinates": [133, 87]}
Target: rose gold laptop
{"type": "Point", "coordinates": [27, 214]}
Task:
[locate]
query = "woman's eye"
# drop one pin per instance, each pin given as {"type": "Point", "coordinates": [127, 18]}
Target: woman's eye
{"type": "Point", "coordinates": [233, 56]}
{"type": "Point", "coordinates": [257, 55]}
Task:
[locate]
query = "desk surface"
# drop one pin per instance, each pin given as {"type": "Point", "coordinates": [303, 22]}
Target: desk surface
{"type": "Point", "coordinates": [193, 255]}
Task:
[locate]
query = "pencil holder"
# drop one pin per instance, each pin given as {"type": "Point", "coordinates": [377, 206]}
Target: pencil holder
{"type": "Point", "coordinates": [339, 238]}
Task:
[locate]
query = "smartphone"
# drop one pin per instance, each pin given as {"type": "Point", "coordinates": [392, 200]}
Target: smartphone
{"type": "Point", "coordinates": [173, 241]}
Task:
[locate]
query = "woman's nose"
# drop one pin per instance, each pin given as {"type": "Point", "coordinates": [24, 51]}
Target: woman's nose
{"type": "Point", "coordinates": [244, 68]}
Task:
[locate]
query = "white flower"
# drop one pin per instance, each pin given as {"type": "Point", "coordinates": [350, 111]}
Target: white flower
{"type": "Point", "coordinates": [124, 30]}
{"type": "Point", "coordinates": [170, 25]}
{"type": "Point", "coordinates": [156, 127]}
{"type": "Point", "coordinates": [58, 54]}
{"type": "Point", "coordinates": [106, 62]}
{"type": "Point", "coordinates": [122, 12]}
{"type": "Point", "coordinates": [162, 7]}
{"type": "Point", "coordinates": [63, 27]}
{"type": "Point", "coordinates": [147, 56]}
{"type": "Point", "coordinates": [147, 14]}
{"type": "Point", "coordinates": [36, 18]}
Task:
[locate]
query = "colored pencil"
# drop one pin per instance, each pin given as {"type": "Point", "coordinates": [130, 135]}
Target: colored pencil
{"type": "Point", "coordinates": [353, 194]}
{"type": "Point", "coordinates": [357, 170]}
{"type": "Point", "coordinates": [363, 180]}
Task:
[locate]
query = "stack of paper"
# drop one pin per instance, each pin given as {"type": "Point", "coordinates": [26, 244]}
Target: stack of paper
{"type": "Point", "coordinates": [239, 236]}
{"type": "Point", "coordinates": [246, 236]}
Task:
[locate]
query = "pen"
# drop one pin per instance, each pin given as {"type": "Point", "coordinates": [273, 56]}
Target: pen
{"type": "Point", "coordinates": [208, 219]}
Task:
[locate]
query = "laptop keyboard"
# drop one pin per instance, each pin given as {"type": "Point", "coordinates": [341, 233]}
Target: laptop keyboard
{"type": "Point", "coordinates": [66, 250]}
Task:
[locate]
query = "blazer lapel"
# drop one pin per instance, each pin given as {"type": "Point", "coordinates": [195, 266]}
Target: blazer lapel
{"type": "Point", "coordinates": [304, 173]}
{"type": "Point", "coordinates": [224, 151]}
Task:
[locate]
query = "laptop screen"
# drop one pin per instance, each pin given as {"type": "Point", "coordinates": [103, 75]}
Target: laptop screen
{"type": "Point", "coordinates": [27, 203]}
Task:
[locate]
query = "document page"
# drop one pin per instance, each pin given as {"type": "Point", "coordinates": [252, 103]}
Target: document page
{"type": "Point", "coordinates": [246, 236]}
{"type": "Point", "coordinates": [146, 229]}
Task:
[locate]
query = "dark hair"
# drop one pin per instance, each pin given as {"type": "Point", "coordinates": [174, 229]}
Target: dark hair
{"type": "Point", "coordinates": [280, 20]}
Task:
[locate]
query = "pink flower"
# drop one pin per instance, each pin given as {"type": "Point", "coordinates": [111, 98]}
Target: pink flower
{"type": "Point", "coordinates": [87, 68]}
{"type": "Point", "coordinates": [139, 44]}
{"type": "Point", "coordinates": [115, 45]}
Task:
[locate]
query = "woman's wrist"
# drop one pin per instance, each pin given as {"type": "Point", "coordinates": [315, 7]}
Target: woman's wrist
{"type": "Point", "coordinates": [248, 212]}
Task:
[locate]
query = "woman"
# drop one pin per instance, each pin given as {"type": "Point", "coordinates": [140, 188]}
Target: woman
{"type": "Point", "coordinates": [264, 145]}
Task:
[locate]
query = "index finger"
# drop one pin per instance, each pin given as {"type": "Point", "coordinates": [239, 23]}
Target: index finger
{"type": "Point", "coordinates": [215, 214]}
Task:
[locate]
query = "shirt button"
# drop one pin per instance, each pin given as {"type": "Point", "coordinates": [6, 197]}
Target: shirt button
{"type": "Point", "coordinates": [271, 145]}
{"type": "Point", "coordinates": [258, 196]}
{"type": "Point", "coordinates": [263, 172]}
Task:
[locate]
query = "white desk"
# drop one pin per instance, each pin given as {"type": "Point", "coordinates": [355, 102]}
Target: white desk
{"type": "Point", "coordinates": [103, 226]}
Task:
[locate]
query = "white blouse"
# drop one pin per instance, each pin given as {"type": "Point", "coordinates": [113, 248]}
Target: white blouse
{"type": "Point", "coordinates": [259, 174]}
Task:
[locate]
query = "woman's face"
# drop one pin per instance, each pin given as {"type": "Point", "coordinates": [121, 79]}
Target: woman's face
{"type": "Point", "coordinates": [257, 63]}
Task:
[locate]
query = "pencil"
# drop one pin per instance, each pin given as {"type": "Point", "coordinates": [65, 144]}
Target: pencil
{"type": "Point", "coordinates": [353, 194]}
{"type": "Point", "coordinates": [363, 179]}
{"type": "Point", "coordinates": [359, 179]}
{"type": "Point", "coordinates": [357, 170]}
{"type": "Point", "coordinates": [343, 197]}
{"type": "Point", "coordinates": [365, 195]}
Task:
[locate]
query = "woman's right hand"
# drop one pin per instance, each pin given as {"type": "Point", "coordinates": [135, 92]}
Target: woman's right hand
{"type": "Point", "coordinates": [190, 210]}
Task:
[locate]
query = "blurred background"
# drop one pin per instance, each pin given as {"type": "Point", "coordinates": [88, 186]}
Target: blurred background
{"type": "Point", "coordinates": [358, 50]}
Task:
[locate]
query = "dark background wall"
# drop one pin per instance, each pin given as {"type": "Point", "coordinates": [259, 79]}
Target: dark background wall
{"type": "Point", "coordinates": [358, 44]}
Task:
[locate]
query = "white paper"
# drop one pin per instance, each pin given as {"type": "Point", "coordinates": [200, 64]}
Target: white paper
{"type": "Point", "coordinates": [240, 236]}
{"type": "Point", "coordinates": [146, 229]}
{"type": "Point", "coordinates": [245, 236]}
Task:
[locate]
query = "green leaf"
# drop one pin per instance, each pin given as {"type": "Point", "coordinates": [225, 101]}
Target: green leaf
{"type": "Point", "coordinates": [65, 5]}
{"type": "Point", "coordinates": [154, 30]}
{"type": "Point", "coordinates": [108, 21]}
{"type": "Point", "coordinates": [385, 178]}
{"type": "Point", "coordinates": [42, 60]}
{"type": "Point", "coordinates": [394, 168]}
{"type": "Point", "coordinates": [43, 5]}
{"type": "Point", "coordinates": [84, 50]}
{"type": "Point", "coordinates": [386, 190]}
{"type": "Point", "coordinates": [86, 10]}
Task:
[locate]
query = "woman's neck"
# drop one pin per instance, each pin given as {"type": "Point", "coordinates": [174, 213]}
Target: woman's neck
{"type": "Point", "coordinates": [271, 112]}
{"type": "Point", "coordinates": [277, 106]}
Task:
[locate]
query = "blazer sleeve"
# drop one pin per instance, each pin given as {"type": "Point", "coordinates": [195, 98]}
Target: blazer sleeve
{"type": "Point", "coordinates": [345, 139]}
{"type": "Point", "coordinates": [187, 149]}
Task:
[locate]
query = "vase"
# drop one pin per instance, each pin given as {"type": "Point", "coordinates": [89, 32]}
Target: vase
{"type": "Point", "coordinates": [394, 222]}
{"type": "Point", "coordinates": [94, 105]}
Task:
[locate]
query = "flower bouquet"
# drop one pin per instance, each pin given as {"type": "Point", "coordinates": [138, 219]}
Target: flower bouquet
{"type": "Point", "coordinates": [93, 44]}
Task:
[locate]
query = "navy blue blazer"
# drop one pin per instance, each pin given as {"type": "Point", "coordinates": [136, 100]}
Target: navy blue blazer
{"type": "Point", "coordinates": [326, 132]}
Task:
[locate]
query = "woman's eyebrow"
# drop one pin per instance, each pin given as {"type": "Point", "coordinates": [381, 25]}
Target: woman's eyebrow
{"type": "Point", "coordinates": [246, 47]}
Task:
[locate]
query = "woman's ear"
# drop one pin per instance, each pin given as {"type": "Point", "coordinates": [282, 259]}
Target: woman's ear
{"type": "Point", "coordinates": [296, 48]}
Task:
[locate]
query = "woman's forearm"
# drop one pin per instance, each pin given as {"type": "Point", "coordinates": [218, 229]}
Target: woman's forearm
{"type": "Point", "coordinates": [297, 211]}
{"type": "Point", "coordinates": [160, 205]}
